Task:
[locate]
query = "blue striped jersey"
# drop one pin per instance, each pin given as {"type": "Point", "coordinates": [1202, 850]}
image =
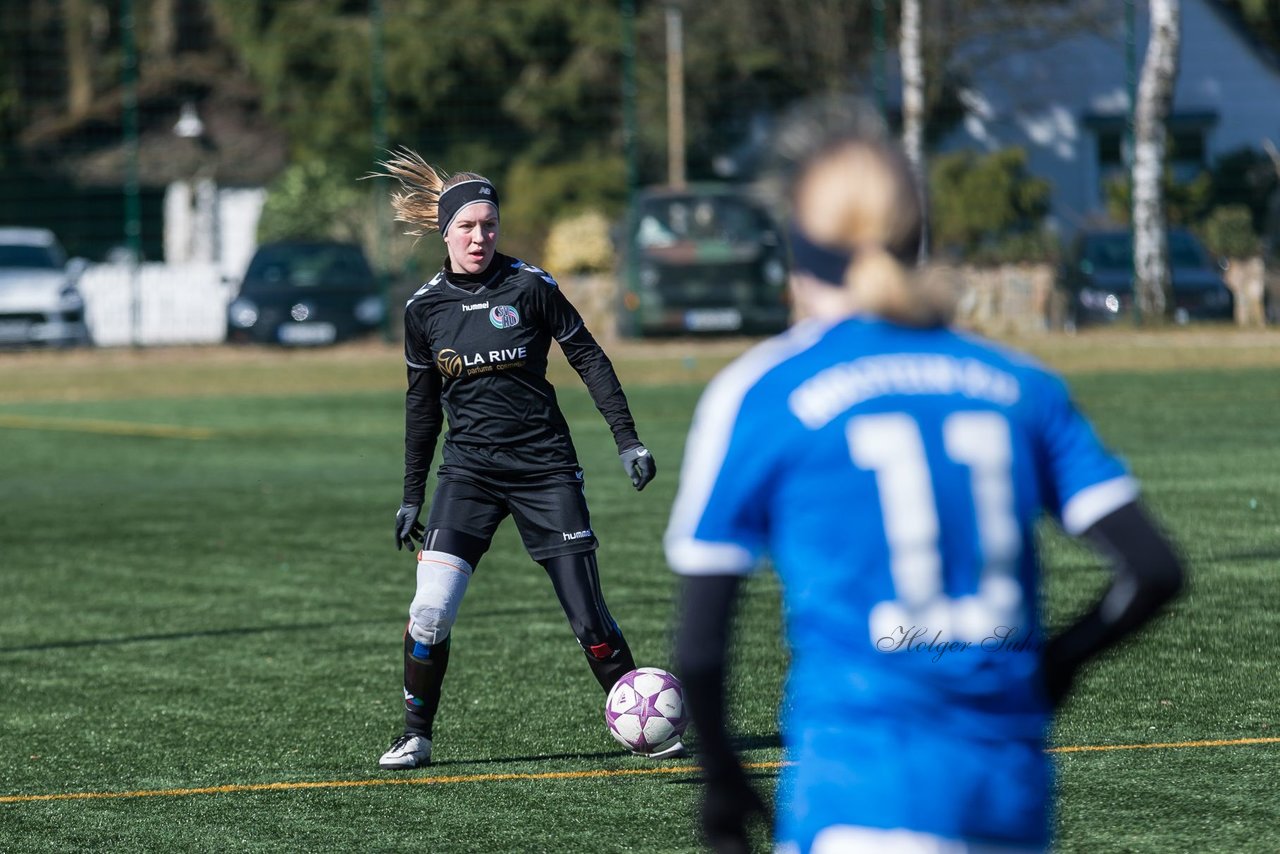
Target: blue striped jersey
{"type": "Point", "coordinates": [894, 478]}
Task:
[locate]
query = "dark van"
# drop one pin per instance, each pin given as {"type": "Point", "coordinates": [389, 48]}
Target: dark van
{"type": "Point", "coordinates": [702, 260]}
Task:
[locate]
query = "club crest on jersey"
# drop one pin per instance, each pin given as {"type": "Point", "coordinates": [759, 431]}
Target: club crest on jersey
{"type": "Point", "coordinates": [504, 316]}
{"type": "Point", "coordinates": [449, 363]}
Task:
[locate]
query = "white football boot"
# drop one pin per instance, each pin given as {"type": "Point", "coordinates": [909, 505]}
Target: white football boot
{"type": "Point", "coordinates": [408, 751]}
{"type": "Point", "coordinates": [675, 751]}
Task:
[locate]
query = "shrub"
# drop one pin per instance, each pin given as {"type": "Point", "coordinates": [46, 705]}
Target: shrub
{"type": "Point", "coordinates": [579, 244]}
{"type": "Point", "coordinates": [982, 200]}
{"type": "Point", "coordinates": [1184, 203]}
{"type": "Point", "coordinates": [1246, 177]}
{"type": "Point", "coordinates": [310, 199]}
{"type": "Point", "coordinates": [536, 194]}
{"type": "Point", "coordinates": [1039, 246]}
{"type": "Point", "coordinates": [1228, 232]}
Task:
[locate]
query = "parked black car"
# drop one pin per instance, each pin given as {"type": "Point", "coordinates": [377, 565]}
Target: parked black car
{"type": "Point", "coordinates": [1097, 278]}
{"type": "Point", "coordinates": [306, 293]}
{"type": "Point", "coordinates": [702, 259]}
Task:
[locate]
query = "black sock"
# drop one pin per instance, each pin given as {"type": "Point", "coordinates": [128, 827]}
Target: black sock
{"type": "Point", "coordinates": [424, 668]}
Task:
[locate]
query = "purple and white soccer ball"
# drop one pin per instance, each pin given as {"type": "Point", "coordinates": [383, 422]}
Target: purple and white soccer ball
{"type": "Point", "coordinates": [645, 710]}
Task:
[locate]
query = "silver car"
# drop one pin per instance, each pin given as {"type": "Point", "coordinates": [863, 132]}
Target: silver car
{"type": "Point", "coordinates": [40, 302]}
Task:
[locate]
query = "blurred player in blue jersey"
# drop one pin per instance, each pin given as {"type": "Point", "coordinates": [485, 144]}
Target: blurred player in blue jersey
{"type": "Point", "coordinates": [894, 471]}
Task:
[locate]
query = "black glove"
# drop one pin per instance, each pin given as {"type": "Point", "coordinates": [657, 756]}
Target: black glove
{"type": "Point", "coordinates": [408, 527]}
{"type": "Point", "coordinates": [1058, 673]}
{"type": "Point", "coordinates": [729, 803]}
{"type": "Point", "coordinates": [638, 463]}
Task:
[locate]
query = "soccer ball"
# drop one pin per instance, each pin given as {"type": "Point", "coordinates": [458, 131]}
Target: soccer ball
{"type": "Point", "coordinates": [645, 710]}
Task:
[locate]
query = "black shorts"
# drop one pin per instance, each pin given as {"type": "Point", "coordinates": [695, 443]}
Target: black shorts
{"type": "Point", "coordinates": [550, 510]}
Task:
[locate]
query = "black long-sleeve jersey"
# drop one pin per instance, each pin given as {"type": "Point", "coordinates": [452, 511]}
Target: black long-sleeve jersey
{"type": "Point", "coordinates": [478, 345]}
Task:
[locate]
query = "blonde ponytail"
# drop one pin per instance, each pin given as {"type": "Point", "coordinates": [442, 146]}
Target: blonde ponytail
{"type": "Point", "coordinates": [421, 185]}
{"type": "Point", "coordinates": [861, 196]}
{"type": "Point", "coordinates": [880, 284]}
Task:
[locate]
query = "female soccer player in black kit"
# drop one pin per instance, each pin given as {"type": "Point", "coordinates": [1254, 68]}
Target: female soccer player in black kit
{"type": "Point", "coordinates": [476, 343]}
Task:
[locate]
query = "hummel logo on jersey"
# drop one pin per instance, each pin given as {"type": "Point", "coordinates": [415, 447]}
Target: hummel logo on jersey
{"type": "Point", "coordinates": [476, 306]}
{"type": "Point", "coordinates": [577, 535]}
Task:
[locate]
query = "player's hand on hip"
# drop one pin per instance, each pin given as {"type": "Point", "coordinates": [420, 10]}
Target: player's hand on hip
{"type": "Point", "coordinates": [408, 528]}
{"type": "Point", "coordinates": [728, 806]}
{"type": "Point", "coordinates": [638, 463]}
{"type": "Point", "coordinates": [1057, 673]}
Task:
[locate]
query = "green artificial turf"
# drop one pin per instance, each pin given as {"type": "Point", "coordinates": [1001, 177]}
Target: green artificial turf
{"type": "Point", "coordinates": [218, 605]}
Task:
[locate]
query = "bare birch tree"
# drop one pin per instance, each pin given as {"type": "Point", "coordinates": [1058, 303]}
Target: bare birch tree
{"type": "Point", "coordinates": [912, 83]}
{"type": "Point", "coordinates": [1155, 96]}
{"type": "Point", "coordinates": [912, 58]}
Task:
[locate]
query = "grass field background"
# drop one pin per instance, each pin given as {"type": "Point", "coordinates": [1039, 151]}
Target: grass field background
{"type": "Point", "coordinates": [199, 590]}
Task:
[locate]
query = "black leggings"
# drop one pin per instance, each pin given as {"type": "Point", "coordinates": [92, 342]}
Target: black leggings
{"type": "Point", "coordinates": [576, 579]}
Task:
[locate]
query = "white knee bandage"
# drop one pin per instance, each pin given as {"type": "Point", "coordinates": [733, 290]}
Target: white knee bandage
{"type": "Point", "coordinates": [442, 579]}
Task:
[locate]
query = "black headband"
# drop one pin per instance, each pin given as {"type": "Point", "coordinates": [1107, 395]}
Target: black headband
{"type": "Point", "coordinates": [828, 264]}
{"type": "Point", "coordinates": [824, 263]}
{"type": "Point", "coordinates": [463, 195]}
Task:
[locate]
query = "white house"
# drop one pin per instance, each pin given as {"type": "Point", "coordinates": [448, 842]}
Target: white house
{"type": "Point", "coordinates": [211, 158]}
{"type": "Point", "coordinates": [1060, 89]}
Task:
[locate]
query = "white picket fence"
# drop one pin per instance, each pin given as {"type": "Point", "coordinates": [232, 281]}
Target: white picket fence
{"type": "Point", "coordinates": [161, 304]}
